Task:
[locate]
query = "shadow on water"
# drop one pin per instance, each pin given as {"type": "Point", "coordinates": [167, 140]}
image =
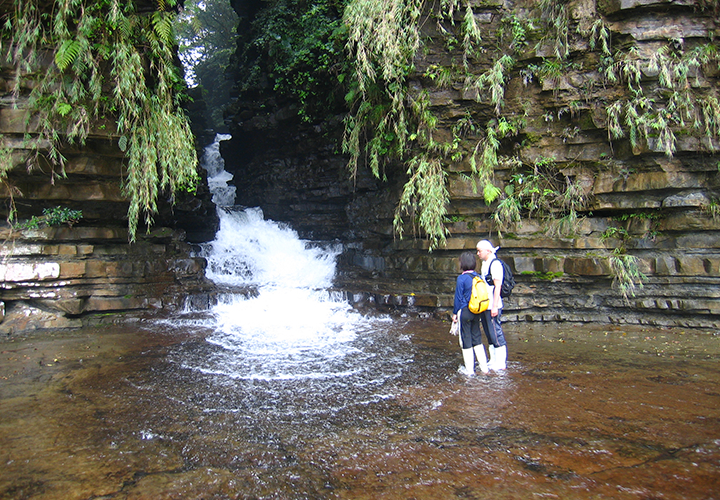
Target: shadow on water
{"type": "Point", "coordinates": [157, 412]}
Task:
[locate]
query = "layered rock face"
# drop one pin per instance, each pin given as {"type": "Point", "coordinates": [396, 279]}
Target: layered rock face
{"type": "Point", "coordinates": [74, 272]}
{"type": "Point", "coordinates": [67, 277]}
{"type": "Point", "coordinates": [640, 204]}
{"type": "Point", "coordinates": [64, 276]}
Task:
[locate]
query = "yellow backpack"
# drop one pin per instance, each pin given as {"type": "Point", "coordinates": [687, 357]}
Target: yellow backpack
{"type": "Point", "coordinates": [480, 296]}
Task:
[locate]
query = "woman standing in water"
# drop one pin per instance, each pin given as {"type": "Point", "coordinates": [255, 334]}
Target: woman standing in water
{"type": "Point", "coordinates": [491, 266]}
{"type": "Point", "coordinates": [470, 334]}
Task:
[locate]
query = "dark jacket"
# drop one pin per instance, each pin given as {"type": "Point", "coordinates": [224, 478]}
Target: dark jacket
{"type": "Point", "coordinates": [463, 290]}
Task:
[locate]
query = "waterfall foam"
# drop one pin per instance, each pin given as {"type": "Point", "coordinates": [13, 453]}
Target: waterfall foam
{"type": "Point", "coordinates": [249, 250]}
{"type": "Point", "coordinates": [290, 325]}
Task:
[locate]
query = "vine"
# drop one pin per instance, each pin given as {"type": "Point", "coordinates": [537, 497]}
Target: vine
{"type": "Point", "coordinates": [675, 105]}
{"type": "Point", "coordinates": [554, 15]}
{"type": "Point", "coordinates": [624, 267]}
{"type": "Point", "coordinates": [90, 41]}
{"type": "Point", "coordinates": [543, 193]}
{"type": "Point", "coordinates": [626, 273]}
{"type": "Point", "coordinates": [384, 38]}
{"type": "Point", "coordinates": [6, 165]}
{"type": "Point", "coordinates": [387, 121]}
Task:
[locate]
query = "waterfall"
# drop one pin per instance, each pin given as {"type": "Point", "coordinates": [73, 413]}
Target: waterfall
{"type": "Point", "coordinates": [218, 177]}
{"type": "Point", "coordinates": [251, 251]}
{"type": "Point", "coordinates": [278, 319]}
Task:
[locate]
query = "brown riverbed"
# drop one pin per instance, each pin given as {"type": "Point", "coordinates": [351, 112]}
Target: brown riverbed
{"type": "Point", "coordinates": [583, 412]}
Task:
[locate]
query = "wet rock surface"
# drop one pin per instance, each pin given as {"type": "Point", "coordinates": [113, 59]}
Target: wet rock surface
{"type": "Point", "coordinates": [67, 277]}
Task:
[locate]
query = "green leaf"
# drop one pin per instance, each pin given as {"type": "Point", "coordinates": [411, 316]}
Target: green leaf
{"type": "Point", "coordinates": [490, 193]}
{"type": "Point", "coordinates": [67, 53]}
{"type": "Point", "coordinates": [63, 108]}
{"type": "Point", "coordinates": [162, 25]}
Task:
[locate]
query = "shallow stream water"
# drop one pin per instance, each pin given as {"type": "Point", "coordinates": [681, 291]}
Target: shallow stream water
{"type": "Point", "coordinates": [283, 391]}
{"type": "Point", "coordinates": [154, 411]}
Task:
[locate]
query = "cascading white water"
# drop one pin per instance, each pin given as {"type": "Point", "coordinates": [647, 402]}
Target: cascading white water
{"type": "Point", "coordinates": [249, 250]}
{"type": "Point", "coordinates": [291, 326]}
{"type": "Point", "coordinates": [218, 177]}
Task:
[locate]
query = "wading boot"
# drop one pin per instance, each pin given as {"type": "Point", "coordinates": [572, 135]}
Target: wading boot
{"type": "Point", "coordinates": [482, 359]}
{"type": "Point", "coordinates": [501, 355]}
{"type": "Point", "coordinates": [469, 359]}
{"type": "Point", "coordinates": [493, 357]}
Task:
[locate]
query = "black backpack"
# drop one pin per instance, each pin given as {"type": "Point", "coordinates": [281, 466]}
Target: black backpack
{"type": "Point", "coordinates": [508, 279]}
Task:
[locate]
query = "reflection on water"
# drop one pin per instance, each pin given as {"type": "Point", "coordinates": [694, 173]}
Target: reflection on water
{"type": "Point", "coordinates": [154, 413]}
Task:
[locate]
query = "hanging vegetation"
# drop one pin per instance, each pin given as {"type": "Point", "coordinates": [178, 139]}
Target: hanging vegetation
{"type": "Point", "coordinates": [657, 96]}
{"type": "Point", "coordinates": [387, 122]}
{"type": "Point", "coordinates": [109, 61]}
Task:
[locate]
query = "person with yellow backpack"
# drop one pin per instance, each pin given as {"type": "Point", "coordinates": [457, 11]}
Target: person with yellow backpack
{"type": "Point", "coordinates": [467, 307]}
{"type": "Point", "coordinates": [500, 280]}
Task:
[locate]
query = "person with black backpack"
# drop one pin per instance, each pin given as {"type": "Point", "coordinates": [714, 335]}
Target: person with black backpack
{"type": "Point", "coordinates": [496, 274]}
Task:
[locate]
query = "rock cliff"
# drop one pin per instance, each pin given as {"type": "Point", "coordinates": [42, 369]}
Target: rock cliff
{"type": "Point", "coordinates": [640, 209]}
{"type": "Point", "coordinates": [85, 269]}
{"type": "Point", "coordinates": [613, 172]}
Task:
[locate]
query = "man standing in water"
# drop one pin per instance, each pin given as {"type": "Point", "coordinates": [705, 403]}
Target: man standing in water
{"type": "Point", "coordinates": [491, 318]}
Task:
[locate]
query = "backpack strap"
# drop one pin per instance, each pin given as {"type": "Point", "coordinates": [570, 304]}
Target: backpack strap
{"type": "Point", "coordinates": [488, 277]}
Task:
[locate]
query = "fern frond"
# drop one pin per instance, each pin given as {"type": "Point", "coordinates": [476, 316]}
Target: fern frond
{"type": "Point", "coordinates": [163, 28]}
{"type": "Point", "coordinates": [67, 53]}
{"type": "Point", "coordinates": [126, 26]}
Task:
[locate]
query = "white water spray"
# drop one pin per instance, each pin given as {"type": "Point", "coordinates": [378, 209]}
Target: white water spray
{"type": "Point", "coordinates": [249, 250]}
{"type": "Point", "coordinates": [290, 326]}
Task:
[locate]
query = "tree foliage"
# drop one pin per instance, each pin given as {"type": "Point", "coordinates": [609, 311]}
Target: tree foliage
{"type": "Point", "coordinates": [110, 61]}
{"type": "Point", "coordinates": [207, 37]}
{"type": "Point", "coordinates": [295, 48]}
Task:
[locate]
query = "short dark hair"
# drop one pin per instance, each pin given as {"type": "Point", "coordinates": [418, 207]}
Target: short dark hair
{"type": "Point", "coordinates": [467, 261]}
